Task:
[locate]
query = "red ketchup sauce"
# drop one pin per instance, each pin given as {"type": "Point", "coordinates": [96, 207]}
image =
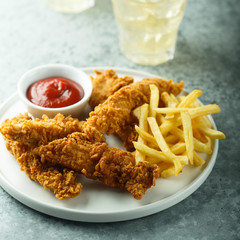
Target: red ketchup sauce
{"type": "Point", "coordinates": [55, 92]}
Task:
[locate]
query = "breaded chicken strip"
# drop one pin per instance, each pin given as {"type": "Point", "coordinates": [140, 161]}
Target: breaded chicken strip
{"type": "Point", "coordinates": [112, 166]}
{"type": "Point", "coordinates": [105, 84]}
{"type": "Point", "coordinates": [62, 181]}
{"type": "Point", "coordinates": [115, 114]}
{"type": "Point", "coordinates": [22, 134]}
{"type": "Point", "coordinates": [38, 132]}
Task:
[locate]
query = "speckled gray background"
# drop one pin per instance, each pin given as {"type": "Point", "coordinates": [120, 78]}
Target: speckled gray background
{"type": "Point", "coordinates": [207, 57]}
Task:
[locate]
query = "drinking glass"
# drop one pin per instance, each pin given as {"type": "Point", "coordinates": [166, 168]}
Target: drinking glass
{"type": "Point", "coordinates": [148, 29]}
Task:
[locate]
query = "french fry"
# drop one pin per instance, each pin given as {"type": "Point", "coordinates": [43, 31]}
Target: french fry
{"type": "Point", "coordinates": [198, 146]}
{"type": "Point", "coordinates": [214, 134]}
{"type": "Point", "coordinates": [171, 110]}
{"type": "Point", "coordinates": [183, 159]}
{"type": "Point", "coordinates": [164, 165]}
{"type": "Point", "coordinates": [190, 98]}
{"type": "Point", "coordinates": [188, 134]}
{"type": "Point", "coordinates": [163, 145]}
{"type": "Point", "coordinates": [154, 99]}
{"type": "Point", "coordinates": [204, 110]}
{"type": "Point", "coordinates": [168, 100]}
{"type": "Point", "coordinates": [143, 117]}
{"type": "Point", "coordinates": [209, 143]}
{"type": "Point", "coordinates": [169, 124]}
{"type": "Point", "coordinates": [204, 121]}
{"type": "Point", "coordinates": [180, 99]}
{"type": "Point", "coordinates": [198, 161]}
{"type": "Point", "coordinates": [137, 112]}
{"type": "Point", "coordinates": [178, 166]}
{"type": "Point", "coordinates": [171, 139]}
{"type": "Point", "coordinates": [179, 148]}
{"type": "Point", "coordinates": [159, 137]}
{"type": "Point", "coordinates": [160, 119]}
{"type": "Point", "coordinates": [139, 156]}
{"type": "Point", "coordinates": [147, 136]}
{"type": "Point", "coordinates": [201, 147]}
{"type": "Point", "coordinates": [154, 160]}
{"type": "Point", "coordinates": [142, 125]}
{"type": "Point", "coordinates": [199, 135]}
{"type": "Point", "coordinates": [168, 172]}
{"type": "Point", "coordinates": [174, 99]}
{"type": "Point", "coordinates": [174, 136]}
{"type": "Point", "coordinates": [195, 103]}
{"type": "Point", "coordinates": [151, 152]}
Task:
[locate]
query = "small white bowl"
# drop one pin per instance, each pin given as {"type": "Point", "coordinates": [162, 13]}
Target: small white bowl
{"type": "Point", "coordinates": [55, 70]}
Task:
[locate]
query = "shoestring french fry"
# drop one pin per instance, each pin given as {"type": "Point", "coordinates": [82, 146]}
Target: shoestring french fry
{"type": "Point", "coordinates": [202, 121]}
{"type": "Point", "coordinates": [199, 135]}
{"type": "Point", "coordinates": [178, 148]}
{"type": "Point", "coordinates": [204, 110]}
{"type": "Point", "coordinates": [213, 134]}
{"type": "Point", "coordinates": [198, 161]}
{"type": "Point", "coordinates": [147, 136]}
{"type": "Point", "coordinates": [151, 152]}
{"type": "Point", "coordinates": [154, 99]}
{"type": "Point", "coordinates": [174, 99]}
{"type": "Point", "coordinates": [137, 112]}
{"type": "Point", "coordinates": [164, 146]}
{"type": "Point", "coordinates": [168, 172]}
{"type": "Point", "coordinates": [169, 100]}
{"type": "Point", "coordinates": [143, 125]}
{"type": "Point", "coordinates": [139, 155]}
{"type": "Point", "coordinates": [175, 135]}
{"type": "Point", "coordinates": [143, 117]}
{"type": "Point", "coordinates": [171, 139]}
{"type": "Point", "coordinates": [198, 146]}
{"type": "Point", "coordinates": [188, 135]}
{"type": "Point", "coordinates": [170, 110]}
{"type": "Point", "coordinates": [169, 124]}
{"type": "Point", "coordinates": [190, 98]}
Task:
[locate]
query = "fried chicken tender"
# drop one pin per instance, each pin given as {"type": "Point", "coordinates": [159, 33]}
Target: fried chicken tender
{"type": "Point", "coordinates": [62, 181]}
{"type": "Point", "coordinates": [105, 84]}
{"type": "Point", "coordinates": [113, 166]}
{"type": "Point", "coordinates": [38, 132]}
{"type": "Point", "coordinates": [30, 133]}
{"type": "Point", "coordinates": [16, 148]}
{"type": "Point", "coordinates": [115, 114]}
{"type": "Point", "coordinates": [22, 134]}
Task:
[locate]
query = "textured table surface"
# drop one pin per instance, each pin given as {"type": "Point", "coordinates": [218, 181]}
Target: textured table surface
{"type": "Point", "coordinates": [207, 57]}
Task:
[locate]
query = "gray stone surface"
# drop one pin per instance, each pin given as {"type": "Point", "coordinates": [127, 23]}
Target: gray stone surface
{"type": "Point", "coordinates": [207, 57]}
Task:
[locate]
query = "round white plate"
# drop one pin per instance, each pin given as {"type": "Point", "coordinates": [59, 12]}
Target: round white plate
{"type": "Point", "coordinates": [97, 202]}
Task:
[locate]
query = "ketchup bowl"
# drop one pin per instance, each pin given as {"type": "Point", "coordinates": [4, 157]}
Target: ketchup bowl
{"type": "Point", "coordinates": [55, 88]}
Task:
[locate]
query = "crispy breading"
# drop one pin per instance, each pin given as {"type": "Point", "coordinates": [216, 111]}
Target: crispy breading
{"type": "Point", "coordinates": [39, 131]}
{"type": "Point", "coordinates": [62, 181]}
{"type": "Point", "coordinates": [23, 134]}
{"type": "Point", "coordinates": [23, 128]}
{"type": "Point", "coordinates": [115, 114]}
{"type": "Point", "coordinates": [105, 84]}
{"type": "Point", "coordinates": [112, 166]}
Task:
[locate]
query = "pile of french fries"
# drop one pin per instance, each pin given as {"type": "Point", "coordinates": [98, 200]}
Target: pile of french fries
{"type": "Point", "coordinates": [174, 136]}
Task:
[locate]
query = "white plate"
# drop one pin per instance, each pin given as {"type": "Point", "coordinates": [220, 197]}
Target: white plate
{"type": "Point", "coordinates": [97, 202]}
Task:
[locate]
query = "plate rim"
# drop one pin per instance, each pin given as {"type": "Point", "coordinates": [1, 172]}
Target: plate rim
{"type": "Point", "coordinates": [101, 216]}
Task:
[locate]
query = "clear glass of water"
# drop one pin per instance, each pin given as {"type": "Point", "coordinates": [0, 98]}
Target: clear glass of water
{"type": "Point", "coordinates": [70, 6]}
{"type": "Point", "coordinates": [148, 28]}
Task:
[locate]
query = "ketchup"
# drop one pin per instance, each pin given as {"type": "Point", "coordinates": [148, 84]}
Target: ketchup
{"type": "Point", "coordinates": [55, 92]}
